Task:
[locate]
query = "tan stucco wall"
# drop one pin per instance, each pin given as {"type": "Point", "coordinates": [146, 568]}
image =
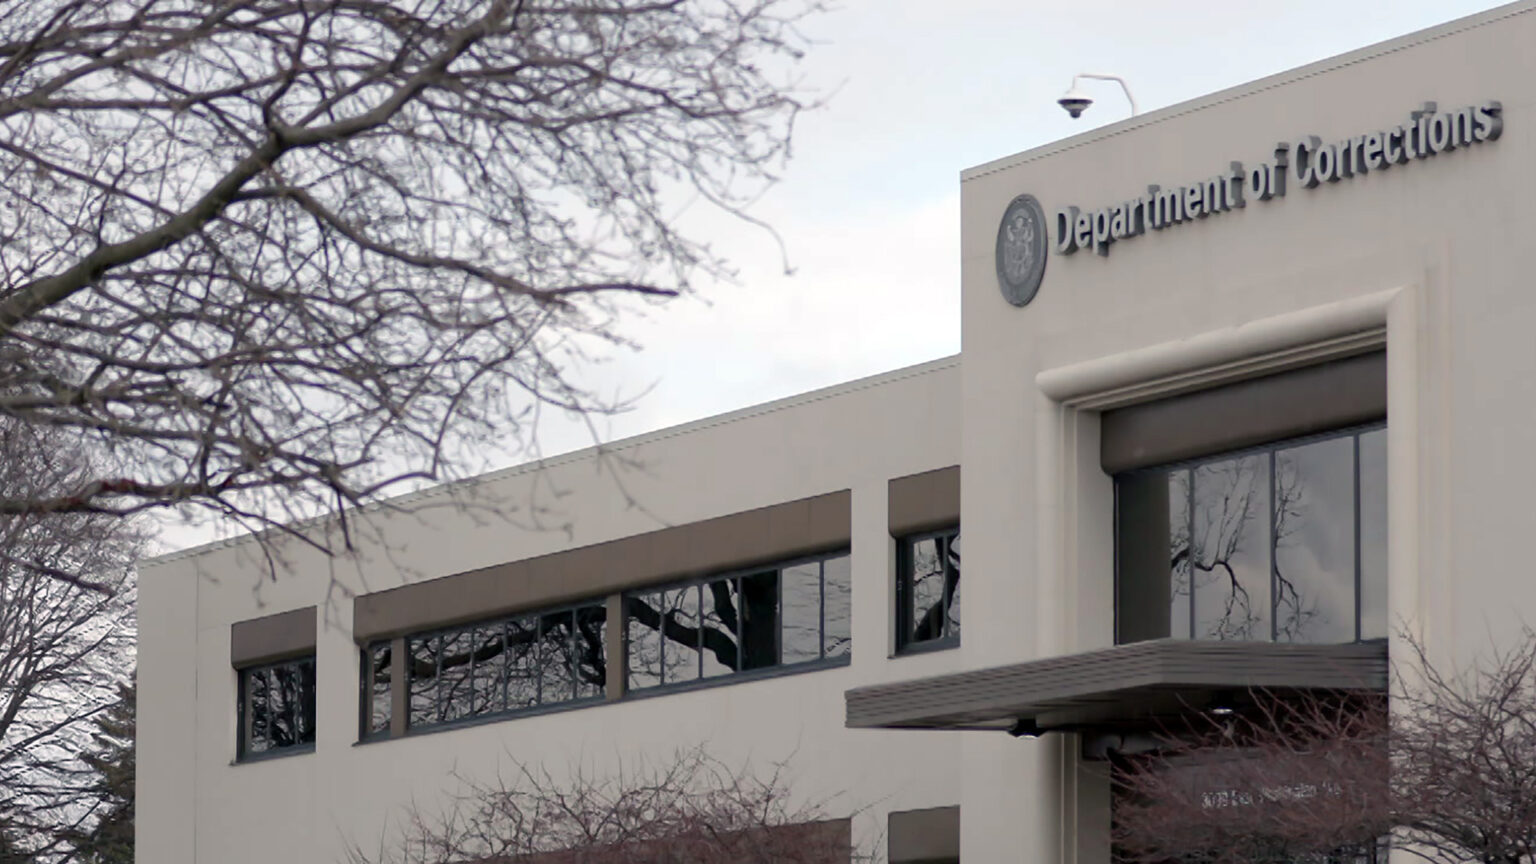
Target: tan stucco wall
{"type": "Point", "coordinates": [195, 805]}
{"type": "Point", "coordinates": [1450, 234]}
{"type": "Point", "coordinates": [1437, 252]}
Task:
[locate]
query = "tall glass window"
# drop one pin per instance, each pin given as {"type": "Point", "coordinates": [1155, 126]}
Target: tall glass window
{"type": "Point", "coordinates": [1286, 542]}
{"type": "Point", "coordinates": [928, 590]}
{"type": "Point", "coordinates": [378, 665]}
{"type": "Point", "coordinates": [793, 613]}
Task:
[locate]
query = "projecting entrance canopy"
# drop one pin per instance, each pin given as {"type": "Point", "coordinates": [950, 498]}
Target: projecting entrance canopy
{"type": "Point", "coordinates": [1134, 684]}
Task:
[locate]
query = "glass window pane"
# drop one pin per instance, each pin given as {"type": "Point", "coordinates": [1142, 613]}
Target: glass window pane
{"type": "Point", "coordinates": [680, 627]}
{"type": "Point", "coordinates": [304, 702]}
{"type": "Point", "coordinates": [802, 613]}
{"type": "Point", "coordinates": [257, 687]}
{"type": "Point", "coordinates": [591, 653]}
{"type": "Point", "coordinates": [1315, 542]}
{"type": "Point", "coordinates": [522, 667]}
{"type": "Point", "coordinates": [556, 679]}
{"type": "Point", "coordinates": [1374, 620]}
{"type": "Point", "coordinates": [1151, 556]}
{"type": "Point", "coordinates": [423, 678]}
{"type": "Point", "coordinates": [926, 606]}
{"type": "Point", "coordinates": [760, 620]}
{"type": "Point", "coordinates": [722, 619]}
{"type": "Point", "coordinates": [1231, 537]}
{"type": "Point", "coordinates": [379, 699]}
{"type": "Point", "coordinates": [952, 585]}
{"type": "Point", "coordinates": [642, 636]}
{"type": "Point", "coordinates": [1180, 585]}
{"type": "Point", "coordinates": [453, 685]}
{"type": "Point", "coordinates": [838, 600]}
{"type": "Point", "coordinates": [489, 663]}
{"type": "Point", "coordinates": [281, 693]}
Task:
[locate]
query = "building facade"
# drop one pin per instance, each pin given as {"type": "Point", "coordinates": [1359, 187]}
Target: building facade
{"type": "Point", "coordinates": [1245, 396]}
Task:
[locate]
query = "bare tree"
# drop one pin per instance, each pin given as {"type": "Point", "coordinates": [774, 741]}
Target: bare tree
{"type": "Point", "coordinates": [278, 256]}
{"type": "Point", "coordinates": [66, 632]}
{"type": "Point", "coordinates": [1285, 779]}
{"type": "Point", "coordinates": [693, 809]}
{"type": "Point", "coordinates": [1464, 758]}
{"type": "Point", "coordinates": [1449, 774]}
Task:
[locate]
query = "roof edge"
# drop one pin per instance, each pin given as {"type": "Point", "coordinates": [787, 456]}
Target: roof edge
{"type": "Point", "coordinates": [808, 397]}
{"type": "Point", "coordinates": [1252, 88]}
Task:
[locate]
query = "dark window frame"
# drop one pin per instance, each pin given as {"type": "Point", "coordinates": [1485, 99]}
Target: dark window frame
{"type": "Point", "coordinates": [906, 594]}
{"type": "Point", "coordinates": [822, 661]}
{"type": "Point", "coordinates": [1269, 448]}
{"type": "Point", "coordinates": [244, 678]}
{"type": "Point", "coordinates": [413, 726]}
{"type": "Point", "coordinates": [366, 679]}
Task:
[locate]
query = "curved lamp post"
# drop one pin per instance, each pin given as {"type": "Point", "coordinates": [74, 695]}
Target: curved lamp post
{"type": "Point", "coordinates": [1075, 101]}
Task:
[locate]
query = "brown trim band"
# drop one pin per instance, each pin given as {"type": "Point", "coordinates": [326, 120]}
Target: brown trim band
{"type": "Point", "coordinates": [922, 502]}
{"type": "Point", "coordinates": [272, 638]}
{"type": "Point", "coordinates": [929, 836]}
{"type": "Point", "coordinates": [743, 539]}
{"type": "Point", "coordinates": [1290, 404]}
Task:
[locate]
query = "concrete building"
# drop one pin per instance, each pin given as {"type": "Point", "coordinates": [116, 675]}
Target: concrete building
{"type": "Point", "coordinates": [1214, 425]}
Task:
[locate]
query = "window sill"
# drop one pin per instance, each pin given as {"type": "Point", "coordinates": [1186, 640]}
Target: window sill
{"type": "Point", "coordinates": [484, 720]}
{"type": "Point", "coordinates": [629, 696]}
{"type": "Point", "coordinates": [738, 678]}
{"type": "Point", "coordinates": [280, 753]}
{"type": "Point", "coordinates": [928, 646]}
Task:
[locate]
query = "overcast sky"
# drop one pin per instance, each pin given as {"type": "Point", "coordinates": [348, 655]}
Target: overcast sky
{"type": "Point", "coordinates": [869, 208]}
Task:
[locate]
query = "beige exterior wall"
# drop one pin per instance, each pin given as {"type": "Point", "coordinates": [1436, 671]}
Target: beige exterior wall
{"type": "Point", "coordinates": [1438, 251]}
{"type": "Point", "coordinates": [1433, 259]}
{"type": "Point", "coordinates": [196, 806]}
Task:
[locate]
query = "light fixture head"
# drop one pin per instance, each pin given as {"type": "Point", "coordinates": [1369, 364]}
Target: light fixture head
{"type": "Point", "coordinates": [1026, 727]}
{"type": "Point", "coordinates": [1222, 704]}
{"type": "Point", "coordinates": [1075, 101]}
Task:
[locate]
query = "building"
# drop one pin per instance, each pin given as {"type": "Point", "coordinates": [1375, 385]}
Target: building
{"type": "Point", "coordinates": [1162, 349]}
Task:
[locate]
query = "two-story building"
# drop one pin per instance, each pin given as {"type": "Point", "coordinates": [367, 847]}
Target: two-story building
{"type": "Point", "coordinates": [1246, 394]}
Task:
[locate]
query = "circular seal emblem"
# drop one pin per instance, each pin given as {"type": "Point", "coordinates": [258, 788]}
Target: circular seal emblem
{"type": "Point", "coordinates": [1021, 240]}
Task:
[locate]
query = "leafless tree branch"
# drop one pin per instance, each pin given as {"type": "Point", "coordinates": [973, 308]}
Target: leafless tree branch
{"type": "Point", "coordinates": [276, 257]}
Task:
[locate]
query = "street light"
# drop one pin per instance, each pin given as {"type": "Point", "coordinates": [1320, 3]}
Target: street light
{"type": "Point", "coordinates": [1075, 101]}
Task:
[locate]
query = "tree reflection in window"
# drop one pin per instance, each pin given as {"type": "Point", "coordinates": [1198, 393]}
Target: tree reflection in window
{"type": "Point", "coordinates": [1231, 556]}
{"type": "Point", "coordinates": [378, 663]}
{"type": "Point", "coordinates": [277, 706]}
{"type": "Point", "coordinates": [509, 665]}
{"type": "Point", "coordinates": [928, 589]}
{"type": "Point", "coordinates": [1258, 546]}
{"type": "Point", "coordinates": [724, 625]}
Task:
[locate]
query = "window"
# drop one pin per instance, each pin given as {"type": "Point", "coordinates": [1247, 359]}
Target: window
{"type": "Point", "coordinates": [514, 665]}
{"type": "Point", "coordinates": [928, 590]}
{"type": "Point", "coordinates": [796, 614]}
{"type": "Point", "coordinates": [791, 614]}
{"type": "Point", "coordinates": [378, 667]}
{"type": "Point", "coordinates": [277, 708]}
{"type": "Point", "coordinates": [1285, 542]}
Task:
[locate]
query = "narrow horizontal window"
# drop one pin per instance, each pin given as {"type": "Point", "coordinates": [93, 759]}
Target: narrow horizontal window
{"type": "Point", "coordinates": [791, 615]}
{"type": "Point", "coordinates": [504, 667]}
{"type": "Point", "coordinates": [778, 616]}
